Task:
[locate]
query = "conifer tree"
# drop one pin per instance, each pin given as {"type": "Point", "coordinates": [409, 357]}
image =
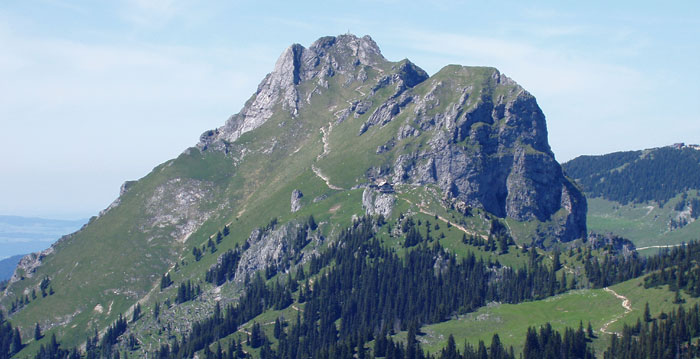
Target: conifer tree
{"type": "Point", "coordinates": [137, 313]}
{"type": "Point", "coordinates": [647, 313]}
{"type": "Point", "coordinates": [37, 332]}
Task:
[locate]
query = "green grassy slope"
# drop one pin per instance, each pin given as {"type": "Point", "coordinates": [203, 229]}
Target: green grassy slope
{"type": "Point", "coordinates": [118, 259]}
{"type": "Point", "coordinates": [597, 306]}
{"type": "Point", "coordinates": [645, 224]}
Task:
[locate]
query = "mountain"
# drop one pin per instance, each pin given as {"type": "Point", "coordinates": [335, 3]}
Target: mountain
{"type": "Point", "coordinates": [649, 196]}
{"type": "Point", "coordinates": [472, 132]}
{"type": "Point", "coordinates": [333, 134]}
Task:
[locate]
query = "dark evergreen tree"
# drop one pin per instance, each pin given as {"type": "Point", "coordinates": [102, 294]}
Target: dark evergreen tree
{"type": "Point", "coordinates": [37, 332]}
{"type": "Point", "coordinates": [156, 310]}
{"type": "Point", "coordinates": [635, 176]}
{"type": "Point", "coordinates": [312, 223]}
{"type": "Point", "coordinates": [165, 281]}
{"type": "Point", "coordinates": [137, 313]}
{"type": "Point", "coordinates": [10, 338]}
{"type": "Point", "coordinates": [197, 253]}
{"type": "Point", "coordinates": [225, 268]}
{"type": "Point", "coordinates": [257, 336]}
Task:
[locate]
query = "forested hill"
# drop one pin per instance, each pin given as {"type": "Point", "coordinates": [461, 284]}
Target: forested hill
{"type": "Point", "coordinates": [657, 174]}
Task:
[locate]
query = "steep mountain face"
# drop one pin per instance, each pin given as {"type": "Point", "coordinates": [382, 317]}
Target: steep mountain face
{"type": "Point", "coordinates": [344, 132]}
{"type": "Point", "coordinates": [481, 138]}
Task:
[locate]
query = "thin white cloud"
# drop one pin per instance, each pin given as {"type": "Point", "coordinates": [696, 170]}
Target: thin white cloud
{"type": "Point", "coordinates": [552, 70]}
{"type": "Point", "coordinates": [151, 12]}
{"type": "Point", "coordinates": [581, 96]}
{"type": "Point", "coordinates": [60, 72]}
{"type": "Point", "coordinates": [161, 13]}
{"type": "Point", "coordinates": [72, 6]}
{"type": "Point", "coordinates": [86, 117]}
{"type": "Point", "coordinates": [550, 31]}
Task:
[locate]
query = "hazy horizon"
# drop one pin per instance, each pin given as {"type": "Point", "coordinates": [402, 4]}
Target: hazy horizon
{"type": "Point", "coordinates": [22, 235]}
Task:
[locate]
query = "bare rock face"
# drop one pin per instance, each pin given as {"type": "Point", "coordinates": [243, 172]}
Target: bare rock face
{"type": "Point", "coordinates": [28, 265]}
{"type": "Point", "coordinates": [326, 57]}
{"type": "Point", "coordinates": [375, 202]}
{"type": "Point", "coordinates": [296, 200]}
{"type": "Point", "coordinates": [269, 247]}
{"type": "Point", "coordinates": [613, 243]}
{"type": "Point", "coordinates": [488, 149]}
{"type": "Point", "coordinates": [177, 205]}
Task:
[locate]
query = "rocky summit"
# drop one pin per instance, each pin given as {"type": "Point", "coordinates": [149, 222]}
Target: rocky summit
{"type": "Point", "coordinates": [335, 134]}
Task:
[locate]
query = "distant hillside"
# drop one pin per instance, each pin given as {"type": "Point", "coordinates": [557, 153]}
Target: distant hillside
{"type": "Point", "coordinates": [21, 235]}
{"type": "Point", "coordinates": [7, 266]}
{"type": "Point", "coordinates": [657, 174]}
{"type": "Point", "coordinates": [650, 196]}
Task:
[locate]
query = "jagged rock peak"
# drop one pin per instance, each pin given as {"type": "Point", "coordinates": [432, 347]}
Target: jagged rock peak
{"type": "Point", "coordinates": [325, 58]}
{"type": "Point", "coordinates": [362, 49]}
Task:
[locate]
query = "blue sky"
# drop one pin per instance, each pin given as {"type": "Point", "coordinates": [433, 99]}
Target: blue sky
{"type": "Point", "coordinates": [94, 93]}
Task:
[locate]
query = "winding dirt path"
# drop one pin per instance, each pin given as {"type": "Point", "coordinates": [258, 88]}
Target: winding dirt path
{"type": "Point", "coordinates": [324, 178]}
{"type": "Point", "coordinates": [625, 304]}
{"type": "Point", "coordinates": [326, 150]}
{"type": "Point", "coordinates": [424, 211]}
{"type": "Point", "coordinates": [324, 138]}
{"type": "Point", "coordinates": [660, 246]}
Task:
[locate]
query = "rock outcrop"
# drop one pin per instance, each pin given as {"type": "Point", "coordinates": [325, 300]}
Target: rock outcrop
{"type": "Point", "coordinates": [177, 206]}
{"type": "Point", "coordinates": [615, 244]}
{"type": "Point", "coordinates": [296, 200]}
{"type": "Point", "coordinates": [28, 265]}
{"type": "Point", "coordinates": [272, 247]}
{"type": "Point", "coordinates": [375, 202]}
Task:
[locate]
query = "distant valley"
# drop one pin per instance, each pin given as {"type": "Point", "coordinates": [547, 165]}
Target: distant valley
{"type": "Point", "coordinates": [7, 266]}
{"type": "Point", "coordinates": [22, 235]}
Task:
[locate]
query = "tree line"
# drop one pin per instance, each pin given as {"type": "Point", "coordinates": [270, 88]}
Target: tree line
{"type": "Point", "coordinates": [678, 267]}
{"type": "Point", "coordinates": [625, 177]}
{"type": "Point", "coordinates": [668, 336]}
{"type": "Point", "coordinates": [369, 289]}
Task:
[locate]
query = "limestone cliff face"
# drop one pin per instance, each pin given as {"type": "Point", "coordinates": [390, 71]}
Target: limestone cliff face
{"type": "Point", "coordinates": [274, 247]}
{"type": "Point", "coordinates": [488, 148]}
